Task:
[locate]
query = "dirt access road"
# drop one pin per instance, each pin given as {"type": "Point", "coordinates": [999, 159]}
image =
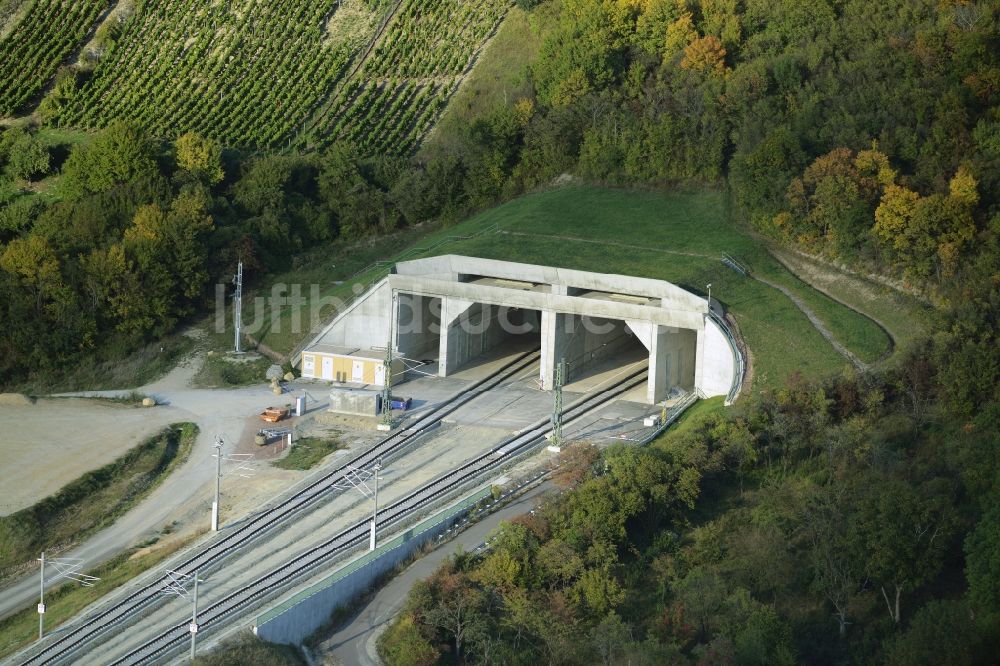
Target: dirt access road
{"type": "Point", "coordinates": [184, 497]}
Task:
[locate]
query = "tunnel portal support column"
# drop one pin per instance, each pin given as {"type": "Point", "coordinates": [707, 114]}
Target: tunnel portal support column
{"type": "Point", "coordinates": [453, 337]}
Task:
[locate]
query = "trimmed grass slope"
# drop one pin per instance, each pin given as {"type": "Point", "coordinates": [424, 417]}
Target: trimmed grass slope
{"type": "Point", "coordinates": [680, 237]}
{"type": "Point", "coordinates": [674, 236]}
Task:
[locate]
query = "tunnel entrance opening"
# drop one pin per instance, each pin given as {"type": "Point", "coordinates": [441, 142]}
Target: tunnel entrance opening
{"type": "Point", "coordinates": [481, 333]}
{"type": "Point", "coordinates": [597, 351]}
{"type": "Point", "coordinates": [418, 332]}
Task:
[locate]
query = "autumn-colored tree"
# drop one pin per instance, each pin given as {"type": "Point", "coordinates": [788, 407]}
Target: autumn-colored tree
{"type": "Point", "coordinates": [831, 204]}
{"type": "Point", "coordinates": [893, 215]}
{"type": "Point", "coordinates": [200, 156]}
{"type": "Point", "coordinates": [575, 463]}
{"type": "Point", "coordinates": [105, 270]}
{"type": "Point", "coordinates": [874, 168]}
{"type": "Point", "coordinates": [722, 17]}
{"type": "Point", "coordinates": [456, 604]}
{"type": "Point", "coordinates": [33, 265]}
{"type": "Point", "coordinates": [706, 55]}
{"type": "Point", "coordinates": [403, 644]}
{"type": "Point", "coordinates": [680, 34]}
{"type": "Point", "coordinates": [964, 187]}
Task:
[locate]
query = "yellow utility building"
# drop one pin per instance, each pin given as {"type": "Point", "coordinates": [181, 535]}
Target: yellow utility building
{"type": "Point", "coordinates": [348, 365]}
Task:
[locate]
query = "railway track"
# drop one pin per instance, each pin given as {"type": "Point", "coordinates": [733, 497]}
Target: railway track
{"type": "Point", "coordinates": [96, 624]}
{"type": "Point", "coordinates": [281, 577]}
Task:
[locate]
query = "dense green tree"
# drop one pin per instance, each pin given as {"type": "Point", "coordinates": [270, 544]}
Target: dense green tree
{"type": "Point", "coordinates": [27, 157]}
{"type": "Point", "coordinates": [120, 154]}
{"type": "Point", "coordinates": [982, 564]}
{"type": "Point", "coordinates": [945, 633]}
{"type": "Point", "coordinates": [904, 532]}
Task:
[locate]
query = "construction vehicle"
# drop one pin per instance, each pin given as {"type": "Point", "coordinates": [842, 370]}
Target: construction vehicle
{"type": "Point", "coordinates": [274, 414]}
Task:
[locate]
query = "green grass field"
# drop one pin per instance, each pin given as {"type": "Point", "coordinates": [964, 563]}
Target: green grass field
{"type": "Point", "coordinates": [679, 237]}
{"type": "Point", "coordinates": [675, 236]}
{"type": "Point", "coordinates": [307, 452]}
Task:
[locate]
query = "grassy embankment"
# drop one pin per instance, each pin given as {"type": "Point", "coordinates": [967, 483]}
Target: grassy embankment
{"type": "Point", "coordinates": [676, 236]}
{"type": "Point", "coordinates": [92, 501]}
{"type": "Point", "coordinates": [225, 371]}
{"type": "Point", "coordinates": [78, 510]}
{"type": "Point", "coordinates": [500, 75]}
{"type": "Point", "coordinates": [248, 649]}
{"type": "Point", "coordinates": [307, 452]}
{"type": "Point", "coordinates": [127, 370]}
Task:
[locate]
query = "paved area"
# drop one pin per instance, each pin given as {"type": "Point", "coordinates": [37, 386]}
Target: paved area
{"type": "Point", "coordinates": [353, 644]}
{"type": "Point", "coordinates": [446, 450]}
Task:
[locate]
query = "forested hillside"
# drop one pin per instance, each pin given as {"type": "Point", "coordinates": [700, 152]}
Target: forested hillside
{"type": "Point", "coordinates": [852, 520]}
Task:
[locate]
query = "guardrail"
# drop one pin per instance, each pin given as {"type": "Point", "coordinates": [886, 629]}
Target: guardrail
{"type": "Point", "coordinates": [672, 415]}
{"type": "Point", "coordinates": [739, 364]}
{"type": "Point", "coordinates": [382, 269]}
{"type": "Point", "coordinates": [729, 261]}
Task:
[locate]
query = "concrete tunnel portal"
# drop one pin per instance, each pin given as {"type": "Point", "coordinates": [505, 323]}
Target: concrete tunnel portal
{"type": "Point", "coordinates": [453, 310]}
{"type": "Point", "coordinates": [587, 345]}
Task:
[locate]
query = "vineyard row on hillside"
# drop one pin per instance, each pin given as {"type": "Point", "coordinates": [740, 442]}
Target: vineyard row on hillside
{"type": "Point", "coordinates": [257, 73]}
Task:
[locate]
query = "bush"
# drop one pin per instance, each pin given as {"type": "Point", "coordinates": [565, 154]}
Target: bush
{"type": "Point", "coordinates": [248, 649]}
{"type": "Point", "coordinates": [402, 644]}
{"type": "Point", "coordinates": [942, 633]}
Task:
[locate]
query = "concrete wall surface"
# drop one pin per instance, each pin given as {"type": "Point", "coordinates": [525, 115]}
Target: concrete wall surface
{"type": "Point", "coordinates": [719, 363]}
{"type": "Point", "coordinates": [685, 349]}
{"type": "Point", "coordinates": [418, 325]}
{"type": "Point", "coordinates": [364, 324]}
{"type": "Point", "coordinates": [681, 317]}
{"type": "Point", "coordinates": [294, 619]}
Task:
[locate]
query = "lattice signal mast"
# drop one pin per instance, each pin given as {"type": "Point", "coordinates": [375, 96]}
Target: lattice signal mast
{"type": "Point", "coordinates": [238, 305]}
{"type": "Point", "coordinates": [557, 407]}
{"type": "Point", "coordinates": [387, 379]}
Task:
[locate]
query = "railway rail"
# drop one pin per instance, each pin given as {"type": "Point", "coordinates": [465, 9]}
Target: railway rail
{"type": "Point", "coordinates": [94, 625]}
{"type": "Point", "coordinates": [282, 576]}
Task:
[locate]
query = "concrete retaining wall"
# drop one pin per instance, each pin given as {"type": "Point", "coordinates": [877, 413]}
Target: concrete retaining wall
{"type": "Point", "coordinates": [364, 324]}
{"type": "Point", "coordinates": [720, 364]}
{"type": "Point", "coordinates": [295, 618]}
{"type": "Point", "coordinates": [418, 326]}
